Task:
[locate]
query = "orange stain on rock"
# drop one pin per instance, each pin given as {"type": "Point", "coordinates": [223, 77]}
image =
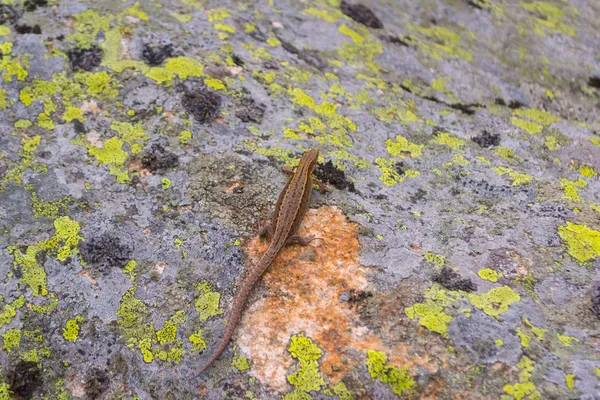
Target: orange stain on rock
{"type": "Point", "coordinates": [304, 286]}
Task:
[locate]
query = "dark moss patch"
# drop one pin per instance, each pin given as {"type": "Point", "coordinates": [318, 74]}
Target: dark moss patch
{"type": "Point", "coordinates": [594, 81]}
{"type": "Point", "coordinates": [105, 251]}
{"type": "Point", "coordinates": [328, 173]}
{"type": "Point", "coordinates": [96, 383]}
{"type": "Point", "coordinates": [158, 159]}
{"type": "Point", "coordinates": [32, 5]}
{"type": "Point", "coordinates": [24, 29]}
{"type": "Point", "coordinates": [239, 61]}
{"type": "Point", "coordinates": [24, 379]}
{"type": "Point", "coordinates": [595, 307]}
{"type": "Point", "coordinates": [513, 104]}
{"type": "Point", "coordinates": [399, 167]}
{"type": "Point", "coordinates": [453, 281]}
{"type": "Point", "coordinates": [402, 40]}
{"type": "Point", "coordinates": [361, 13]}
{"type": "Point", "coordinates": [9, 13]}
{"type": "Point", "coordinates": [86, 59]}
{"type": "Point", "coordinates": [203, 104]}
{"type": "Point", "coordinates": [156, 54]}
{"type": "Point", "coordinates": [250, 110]}
{"type": "Point", "coordinates": [79, 126]}
{"type": "Point", "coordinates": [487, 139]}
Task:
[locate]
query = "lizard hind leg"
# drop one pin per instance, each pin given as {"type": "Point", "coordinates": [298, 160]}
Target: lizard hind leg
{"type": "Point", "coordinates": [301, 240]}
{"type": "Point", "coordinates": [265, 228]}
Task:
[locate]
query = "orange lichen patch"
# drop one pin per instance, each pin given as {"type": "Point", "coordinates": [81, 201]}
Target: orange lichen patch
{"type": "Point", "coordinates": [85, 274]}
{"type": "Point", "coordinates": [304, 288]}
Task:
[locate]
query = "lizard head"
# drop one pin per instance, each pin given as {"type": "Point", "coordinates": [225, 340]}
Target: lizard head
{"type": "Point", "coordinates": [310, 158]}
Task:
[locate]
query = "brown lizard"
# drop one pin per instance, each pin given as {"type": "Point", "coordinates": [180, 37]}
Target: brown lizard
{"type": "Point", "coordinates": [290, 209]}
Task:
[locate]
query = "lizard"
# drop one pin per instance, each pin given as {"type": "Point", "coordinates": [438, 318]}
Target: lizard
{"type": "Point", "coordinates": [290, 208]}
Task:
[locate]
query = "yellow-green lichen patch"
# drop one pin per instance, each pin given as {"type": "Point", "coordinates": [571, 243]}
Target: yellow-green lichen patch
{"type": "Point", "coordinates": [437, 259]}
{"type": "Point", "coordinates": [388, 114]}
{"type": "Point", "coordinates": [431, 313]}
{"type": "Point", "coordinates": [506, 153]}
{"type": "Point", "coordinates": [342, 392]}
{"type": "Point", "coordinates": [356, 37]}
{"type": "Point", "coordinates": [494, 302]}
{"type": "Point", "coordinates": [12, 339]}
{"type": "Point", "coordinates": [207, 302]}
{"type": "Point", "coordinates": [134, 135]}
{"type": "Point", "coordinates": [185, 136]}
{"type": "Point", "coordinates": [239, 362]}
{"type": "Point", "coordinates": [111, 153]}
{"type": "Point", "coordinates": [307, 378]}
{"type": "Point", "coordinates": [165, 183]}
{"type": "Point", "coordinates": [390, 175]}
{"type": "Point", "coordinates": [489, 275]}
{"type": "Point", "coordinates": [72, 113]}
{"type": "Point", "coordinates": [397, 379]}
{"type": "Point", "coordinates": [525, 388]}
{"type": "Point", "coordinates": [23, 124]}
{"type": "Point", "coordinates": [3, 100]}
{"type": "Point", "coordinates": [112, 53]}
{"type": "Point", "coordinates": [183, 67]}
{"type": "Point", "coordinates": [570, 381]}
{"type": "Point", "coordinates": [5, 392]}
{"type": "Point", "coordinates": [518, 178]}
{"type": "Point", "coordinates": [528, 126]}
{"type": "Point", "coordinates": [402, 148]}
{"type": "Point", "coordinates": [61, 245]}
{"type": "Point", "coordinates": [161, 344]}
{"type": "Point", "coordinates": [441, 42]}
{"type": "Point", "coordinates": [587, 171]}
{"type": "Point", "coordinates": [198, 343]}
{"type": "Point", "coordinates": [134, 11]}
{"type": "Point", "coordinates": [65, 239]}
{"type": "Point", "coordinates": [583, 243]}
{"type": "Point", "coordinates": [446, 139]}
{"type": "Point", "coordinates": [330, 15]}
{"type": "Point", "coordinates": [14, 67]}
{"type": "Point", "coordinates": [551, 143]}
{"type": "Point", "coordinates": [571, 188]}
{"type": "Point", "coordinates": [543, 118]}
{"type": "Point", "coordinates": [16, 169]}
{"type": "Point", "coordinates": [71, 331]}
{"type": "Point", "coordinates": [50, 209]}
{"type": "Point", "coordinates": [338, 125]}
{"type": "Point", "coordinates": [99, 84]}
{"type": "Point", "coordinates": [548, 18]}
{"type": "Point", "coordinates": [87, 26]}
{"type": "Point", "coordinates": [566, 340]}
{"type": "Point", "coordinates": [9, 311]}
{"type": "Point", "coordinates": [129, 269]}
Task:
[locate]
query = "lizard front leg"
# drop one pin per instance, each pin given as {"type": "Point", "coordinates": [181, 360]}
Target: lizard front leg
{"type": "Point", "coordinates": [301, 240]}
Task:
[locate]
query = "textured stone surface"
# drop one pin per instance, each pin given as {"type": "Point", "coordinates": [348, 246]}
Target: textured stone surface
{"type": "Point", "coordinates": [143, 142]}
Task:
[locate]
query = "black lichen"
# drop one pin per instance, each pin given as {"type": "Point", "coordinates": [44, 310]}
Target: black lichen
{"type": "Point", "coordinates": [594, 81]}
{"type": "Point", "coordinates": [24, 379]}
{"type": "Point", "coordinates": [453, 281]}
{"type": "Point", "coordinates": [595, 307]}
{"type": "Point", "coordinates": [250, 110]}
{"type": "Point", "coordinates": [96, 383]}
{"type": "Point", "coordinates": [32, 5]}
{"type": "Point", "coordinates": [487, 139]}
{"type": "Point", "coordinates": [158, 159]}
{"type": "Point", "coordinates": [156, 54]}
{"type": "Point", "coordinates": [105, 251]}
{"type": "Point", "coordinates": [203, 104]}
{"type": "Point", "coordinates": [361, 13]}
{"type": "Point", "coordinates": [85, 59]}
{"type": "Point", "coordinates": [24, 29]}
{"type": "Point", "coordinates": [328, 173]}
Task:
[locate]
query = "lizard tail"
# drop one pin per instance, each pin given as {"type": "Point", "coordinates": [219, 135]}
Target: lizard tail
{"type": "Point", "coordinates": [234, 318]}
